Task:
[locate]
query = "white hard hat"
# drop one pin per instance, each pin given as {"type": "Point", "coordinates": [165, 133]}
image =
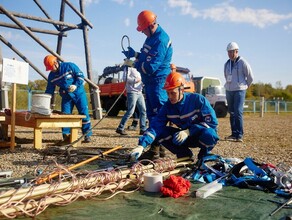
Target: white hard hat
{"type": "Point", "coordinates": [232, 46]}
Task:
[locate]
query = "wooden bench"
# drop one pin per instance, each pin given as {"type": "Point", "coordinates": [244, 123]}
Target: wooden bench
{"type": "Point", "coordinates": [38, 122]}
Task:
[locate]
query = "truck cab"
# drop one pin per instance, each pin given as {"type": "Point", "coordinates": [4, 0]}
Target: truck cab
{"type": "Point", "coordinates": [212, 89]}
{"type": "Point", "coordinates": [113, 94]}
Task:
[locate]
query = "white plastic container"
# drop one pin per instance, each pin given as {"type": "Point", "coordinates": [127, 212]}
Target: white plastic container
{"type": "Point", "coordinates": [41, 103]}
{"type": "Point", "coordinates": [208, 189]}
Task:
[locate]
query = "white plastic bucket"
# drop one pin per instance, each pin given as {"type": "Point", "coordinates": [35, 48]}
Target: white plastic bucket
{"type": "Point", "coordinates": [41, 103]}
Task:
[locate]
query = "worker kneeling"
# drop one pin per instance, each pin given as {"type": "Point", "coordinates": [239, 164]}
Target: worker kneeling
{"type": "Point", "coordinates": [192, 118]}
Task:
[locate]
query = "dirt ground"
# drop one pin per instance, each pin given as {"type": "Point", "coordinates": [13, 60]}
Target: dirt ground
{"type": "Point", "coordinates": [267, 139]}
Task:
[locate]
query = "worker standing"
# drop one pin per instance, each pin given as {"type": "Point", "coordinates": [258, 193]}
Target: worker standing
{"type": "Point", "coordinates": [194, 119]}
{"type": "Point", "coordinates": [153, 62]}
{"type": "Point", "coordinates": [135, 98]}
{"type": "Point", "coordinates": [238, 76]}
{"type": "Point", "coordinates": [70, 80]}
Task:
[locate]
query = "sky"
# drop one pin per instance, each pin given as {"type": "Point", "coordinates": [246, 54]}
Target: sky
{"type": "Point", "coordinates": [200, 31]}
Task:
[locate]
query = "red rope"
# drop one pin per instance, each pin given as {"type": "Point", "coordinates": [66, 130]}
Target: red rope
{"type": "Point", "coordinates": [175, 186]}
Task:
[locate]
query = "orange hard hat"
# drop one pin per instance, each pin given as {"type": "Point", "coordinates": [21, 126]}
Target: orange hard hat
{"type": "Point", "coordinates": [49, 62]}
{"type": "Point", "coordinates": [145, 18]}
{"type": "Point", "coordinates": [174, 80]}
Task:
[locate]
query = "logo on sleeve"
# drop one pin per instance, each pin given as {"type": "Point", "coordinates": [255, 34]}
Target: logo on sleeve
{"type": "Point", "coordinates": [208, 118]}
{"type": "Point", "coordinates": [194, 117]}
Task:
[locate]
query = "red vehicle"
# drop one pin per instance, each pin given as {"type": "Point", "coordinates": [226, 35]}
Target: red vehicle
{"type": "Point", "coordinates": [112, 88]}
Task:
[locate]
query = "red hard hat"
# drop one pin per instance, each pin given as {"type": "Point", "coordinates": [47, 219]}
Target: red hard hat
{"type": "Point", "coordinates": [174, 80]}
{"type": "Point", "coordinates": [49, 62]}
{"type": "Point", "coordinates": [145, 18]}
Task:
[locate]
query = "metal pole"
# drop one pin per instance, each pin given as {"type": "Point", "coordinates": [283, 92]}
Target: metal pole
{"type": "Point", "coordinates": [262, 106]}
{"type": "Point", "coordinates": [29, 93]}
{"type": "Point", "coordinates": [3, 87]}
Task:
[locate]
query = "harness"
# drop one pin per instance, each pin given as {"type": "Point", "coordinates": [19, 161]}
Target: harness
{"type": "Point", "coordinates": [212, 167]}
{"type": "Point", "coordinates": [250, 174]}
{"type": "Point", "coordinates": [244, 174]}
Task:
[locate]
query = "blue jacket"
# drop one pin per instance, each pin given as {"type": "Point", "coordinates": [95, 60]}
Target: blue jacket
{"type": "Point", "coordinates": [155, 57]}
{"type": "Point", "coordinates": [193, 112]}
{"type": "Point", "coordinates": [67, 74]}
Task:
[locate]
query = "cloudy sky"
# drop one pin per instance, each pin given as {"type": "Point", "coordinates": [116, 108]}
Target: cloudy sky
{"type": "Point", "coordinates": [200, 31]}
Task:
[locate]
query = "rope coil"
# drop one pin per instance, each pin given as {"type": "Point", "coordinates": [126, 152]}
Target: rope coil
{"type": "Point", "coordinates": [34, 200]}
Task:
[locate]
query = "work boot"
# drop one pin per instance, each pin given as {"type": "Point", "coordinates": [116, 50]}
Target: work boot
{"type": "Point", "coordinates": [87, 139]}
{"type": "Point", "coordinates": [132, 128]}
{"type": "Point", "coordinates": [65, 141]}
{"type": "Point", "coordinates": [230, 138]}
{"type": "Point", "coordinates": [121, 132]}
{"type": "Point", "coordinates": [151, 154]}
{"type": "Point", "coordinates": [239, 139]}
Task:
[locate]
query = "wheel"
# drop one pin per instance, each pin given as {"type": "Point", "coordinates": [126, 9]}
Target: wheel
{"type": "Point", "coordinates": [115, 110]}
{"type": "Point", "coordinates": [221, 110]}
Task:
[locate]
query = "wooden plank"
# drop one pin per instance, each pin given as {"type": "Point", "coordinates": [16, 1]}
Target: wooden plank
{"type": "Point", "coordinates": [21, 120]}
{"type": "Point", "coordinates": [25, 120]}
{"type": "Point", "coordinates": [58, 123]}
{"type": "Point", "coordinates": [6, 144]}
{"type": "Point", "coordinates": [58, 116]}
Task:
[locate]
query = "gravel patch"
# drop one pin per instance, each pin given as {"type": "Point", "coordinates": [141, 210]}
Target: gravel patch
{"type": "Point", "coordinates": [266, 139]}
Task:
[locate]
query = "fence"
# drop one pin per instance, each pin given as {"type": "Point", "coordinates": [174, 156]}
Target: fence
{"type": "Point", "coordinates": [269, 106]}
{"type": "Point", "coordinates": [23, 98]}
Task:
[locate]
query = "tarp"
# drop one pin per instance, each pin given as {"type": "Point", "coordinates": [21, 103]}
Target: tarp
{"type": "Point", "coordinates": [228, 203]}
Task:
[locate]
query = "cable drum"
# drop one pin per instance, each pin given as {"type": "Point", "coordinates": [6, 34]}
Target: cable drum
{"type": "Point", "coordinates": [41, 104]}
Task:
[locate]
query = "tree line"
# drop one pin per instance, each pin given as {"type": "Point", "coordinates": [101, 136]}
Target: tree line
{"type": "Point", "coordinates": [258, 90]}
